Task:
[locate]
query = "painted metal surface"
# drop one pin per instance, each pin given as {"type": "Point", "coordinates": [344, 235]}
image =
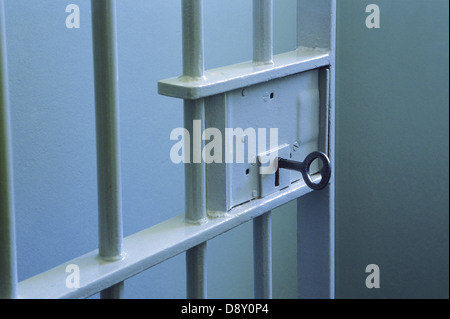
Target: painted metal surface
{"type": "Point", "coordinates": [106, 78]}
{"type": "Point", "coordinates": [196, 272]}
{"type": "Point", "coordinates": [315, 212]}
{"type": "Point", "coordinates": [113, 292]}
{"type": "Point", "coordinates": [262, 256]}
{"type": "Point", "coordinates": [232, 77]}
{"type": "Point", "coordinates": [167, 239]}
{"type": "Point", "coordinates": [8, 264]}
{"type": "Point", "coordinates": [315, 267]}
{"type": "Point", "coordinates": [192, 31]}
{"type": "Point", "coordinates": [195, 170]}
{"type": "Point", "coordinates": [263, 31]}
{"type": "Point", "coordinates": [271, 183]}
{"type": "Point", "coordinates": [107, 127]}
{"type": "Point", "coordinates": [293, 105]}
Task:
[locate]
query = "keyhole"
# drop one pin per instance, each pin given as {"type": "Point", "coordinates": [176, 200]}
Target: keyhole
{"type": "Point", "coordinates": [277, 178]}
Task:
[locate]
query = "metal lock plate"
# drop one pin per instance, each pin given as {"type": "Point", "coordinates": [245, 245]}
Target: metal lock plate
{"type": "Point", "coordinates": [294, 106]}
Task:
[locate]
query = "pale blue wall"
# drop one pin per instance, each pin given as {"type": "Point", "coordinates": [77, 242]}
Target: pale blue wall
{"type": "Point", "coordinates": [52, 100]}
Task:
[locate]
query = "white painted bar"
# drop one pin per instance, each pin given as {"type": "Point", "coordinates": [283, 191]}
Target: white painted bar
{"type": "Point", "coordinates": [8, 263]}
{"type": "Point", "coordinates": [262, 256]}
{"type": "Point", "coordinates": [195, 178]}
{"type": "Point", "coordinates": [315, 245]}
{"type": "Point", "coordinates": [192, 21]}
{"type": "Point", "coordinates": [232, 77]}
{"type": "Point", "coordinates": [165, 241]}
{"type": "Point", "coordinates": [107, 128]}
{"type": "Point", "coordinates": [262, 225]}
{"type": "Point", "coordinates": [195, 171]}
{"type": "Point", "coordinates": [113, 292]}
{"type": "Point", "coordinates": [315, 212]}
{"type": "Point", "coordinates": [299, 23]}
{"type": "Point", "coordinates": [262, 31]}
{"type": "Point", "coordinates": [196, 272]}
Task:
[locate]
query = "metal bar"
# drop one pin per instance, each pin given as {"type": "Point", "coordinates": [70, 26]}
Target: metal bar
{"type": "Point", "coordinates": [170, 238]}
{"type": "Point", "coordinates": [315, 245]}
{"type": "Point", "coordinates": [194, 121]}
{"type": "Point", "coordinates": [107, 129]}
{"type": "Point", "coordinates": [315, 212]}
{"type": "Point", "coordinates": [262, 256]}
{"type": "Point", "coordinates": [299, 22]}
{"type": "Point", "coordinates": [192, 20]}
{"type": "Point", "coordinates": [231, 77]}
{"type": "Point", "coordinates": [8, 264]}
{"type": "Point", "coordinates": [332, 144]}
{"type": "Point", "coordinates": [113, 292]}
{"type": "Point", "coordinates": [195, 170]}
{"type": "Point", "coordinates": [107, 125]}
{"type": "Point", "coordinates": [262, 31]}
{"type": "Point", "coordinates": [196, 274]}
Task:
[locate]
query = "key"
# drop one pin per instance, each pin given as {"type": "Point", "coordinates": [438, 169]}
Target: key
{"type": "Point", "coordinates": [304, 167]}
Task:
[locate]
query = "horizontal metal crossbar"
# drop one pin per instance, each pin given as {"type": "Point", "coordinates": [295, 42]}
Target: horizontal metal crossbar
{"type": "Point", "coordinates": [148, 248]}
{"type": "Point", "coordinates": [228, 78]}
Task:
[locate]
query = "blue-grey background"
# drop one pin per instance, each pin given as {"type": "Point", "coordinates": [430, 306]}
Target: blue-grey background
{"type": "Point", "coordinates": [391, 148]}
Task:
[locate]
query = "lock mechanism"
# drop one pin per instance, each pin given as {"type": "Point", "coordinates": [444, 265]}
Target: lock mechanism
{"type": "Point", "coordinates": [288, 95]}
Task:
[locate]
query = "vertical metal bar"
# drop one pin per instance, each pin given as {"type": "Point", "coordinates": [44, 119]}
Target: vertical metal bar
{"type": "Point", "coordinates": [8, 266]}
{"type": "Point", "coordinates": [315, 211]}
{"type": "Point", "coordinates": [192, 20]}
{"type": "Point", "coordinates": [262, 233]}
{"type": "Point", "coordinates": [315, 245]}
{"type": "Point", "coordinates": [262, 256]}
{"type": "Point", "coordinates": [195, 170]}
{"type": "Point", "coordinates": [299, 5]}
{"type": "Point", "coordinates": [262, 31]}
{"type": "Point", "coordinates": [113, 292]}
{"type": "Point", "coordinates": [107, 128]}
{"type": "Point", "coordinates": [196, 283]}
{"type": "Point", "coordinates": [194, 121]}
